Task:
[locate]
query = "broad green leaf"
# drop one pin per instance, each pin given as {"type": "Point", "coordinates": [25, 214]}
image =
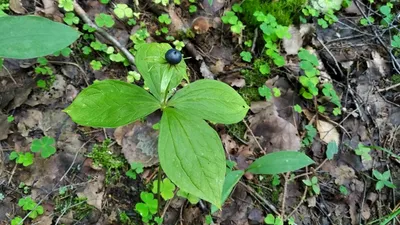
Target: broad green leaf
{"type": "Point", "coordinates": [157, 73]}
{"type": "Point", "coordinates": [211, 100]}
{"type": "Point", "coordinates": [191, 154]}
{"type": "Point", "coordinates": [33, 36]}
{"type": "Point", "coordinates": [111, 103]}
{"type": "Point", "coordinates": [331, 150]}
{"type": "Point", "coordinates": [231, 179]}
{"type": "Point", "coordinates": [279, 162]}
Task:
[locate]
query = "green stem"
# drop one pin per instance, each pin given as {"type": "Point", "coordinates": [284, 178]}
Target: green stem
{"type": "Point", "coordinates": [158, 190]}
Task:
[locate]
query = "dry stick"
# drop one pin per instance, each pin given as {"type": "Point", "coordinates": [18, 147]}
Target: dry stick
{"type": "Point", "coordinates": [309, 173]}
{"type": "Point", "coordinates": [12, 78]}
{"type": "Point", "coordinates": [301, 202]}
{"type": "Point", "coordinates": [263, 200]}
{"type": "Point", "coordinates": [255, 138]}
{"type": "Point", "coordinates": [78, 9]}
{"type": "Point", "coordinates": [284, 194]}
{"type": "Point", "coordinates": [253, 47]}
{"type": "Point", "coordinates": [388, 88]}
{"type": "Point", "coordinates": [73, 64]}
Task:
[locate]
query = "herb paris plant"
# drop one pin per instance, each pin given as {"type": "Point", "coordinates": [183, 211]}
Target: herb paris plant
{"type": "Point", "coordinates": [190, 151]}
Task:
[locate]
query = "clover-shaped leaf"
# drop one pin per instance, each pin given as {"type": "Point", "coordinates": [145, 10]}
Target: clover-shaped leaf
{"type": "Point", "coordinates": [70, 18]}
{"type": "Point", "coordinates": [167, 188]}
{"type": "Point", "coordinates": [149, 206]}
{"type": "Point", "coordinates": [396, 41]}
{"type": "Point", "coordinates": [164, 18]}
{"type": "Point", "coordinates": [45, 145]}
{"type": "Point", "coordinates": [66, 4]}
{"type": "Point", "coordinates": [122, 11]}
{"type": "Point", "coordinates": [230, 18]}
{"type": "Point", "coordinates": [104, 20]}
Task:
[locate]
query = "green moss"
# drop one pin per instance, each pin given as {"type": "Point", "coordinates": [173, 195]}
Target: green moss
{"type": "Point", "coordinates": [286, 12]}
{"type": "Point", "coordinates": [396, 78]}
{"type": "Point", "coordinates": [250, 94]}
{"type": "Point", "coordinates": [103, 157]}
{"type": "Point", "coordinates": [237, 130]}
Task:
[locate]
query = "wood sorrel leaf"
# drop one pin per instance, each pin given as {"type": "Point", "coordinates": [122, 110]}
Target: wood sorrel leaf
{"type": "Point", "coordinates": [111, 103]}
{"type": "Point", "coordinates": [25, 37]}
{"type": "Point", "coordinates": [279, 162]}
{"type": "Point", "coordinates": [210, 100]}
{"type": "Point", "coordinates": [158, 74]}
{"type": "Point", "coordinates": [191, 155]}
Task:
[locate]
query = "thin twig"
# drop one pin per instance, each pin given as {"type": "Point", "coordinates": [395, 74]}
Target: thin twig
{"type": "Point", "coordinates": [263, 200]}
{"type": "Point", "coordinates": [254, 40]}
{"type": "Point", "coordinates": [286, 176]}
{"type": "Point", "coordinates": [390, 87]}
{"type": "Point", "coordinates": [255, 138]}
{"type": "Point", "coordinates": [78, 9]}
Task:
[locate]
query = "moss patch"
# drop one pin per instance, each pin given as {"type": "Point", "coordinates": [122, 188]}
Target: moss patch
{"type": "Point", "coordinates": [286, 12]}
{"type": "Point", "coordinates": [396, 78]}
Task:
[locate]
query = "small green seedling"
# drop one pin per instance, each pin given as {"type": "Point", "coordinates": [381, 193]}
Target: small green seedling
{"type": "Point", "coordinates": [246, 56]}
{"type": "Point", "coordinates": [104, 20]}
{"type": "Point", "coordinates": [271, 219]}
{"type": "Point", "coordinates": [275, 180]}
{"type": "Point", "coordinates": [167, 189]}
{"type": "Point", "coordinates": [162, 2]}
{"type": "Point", "coordinates": [383, 180]}
{"type": "Point", "coordinates": [10, 118]}
{"type": "Point", "coordinates": [25, 188]}
{"type": "Point", "coordinates": [25, 159]}
{"type": "Point", "coordinates": [136, 168]}
{"type": "Point", "coordinates": [297, 108]}
{"type": "Point", "coordinates": [313, 183]}
{"type": "Point", "coordinates": [123, 11]}
{"type": "Point", "coordinates": [343, 190]}
{"type": "Point", "coordinates": [192, 8]}
{"type": "Point", "coordinates": [133, 76]}
{"type": "Point", "coordinates": [71, 19]}
{"type": "Point", "coordinates": [363, 151]}
{"type": "Point", "coordinates": [309, 137]}
{"type": "Point", "coordinates": [309, 81]}
{"type": "Point", "coordinates": [67, 5]}
{"type": "Point", "coordinates": [45, 145]}
{"type": "Point", "coordinates": [16, 221]}
{"type": "Point", "coordinates": [96, 65]}
{"type": "Point", "coordinates": [28, 204]}
{"type": "Point", "coordinates": [165, 19]}
{"type": "Point", "coordinates": [148, 207]}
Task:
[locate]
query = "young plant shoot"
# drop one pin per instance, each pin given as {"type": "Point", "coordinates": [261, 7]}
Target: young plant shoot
{"type": "Point", "coordinates": [189, 149]}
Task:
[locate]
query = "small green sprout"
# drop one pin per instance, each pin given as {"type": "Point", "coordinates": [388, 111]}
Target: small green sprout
{"type": "Point", "coordinates": [25, 159]}
{"type": "Point", "coordinates": [164, 18]}
{"type": "Point", "coordinates": [45, 145]}
{"type": "Point", "coordinates": [311, 133]}
{"type": "Point", "coordinates": [16, 221]}
{"type": "Point", "coordinates": [313, 183]}
{"type": "Point", "coordinates": [178, 45]}
{"type": "Point", "coordinates": [271, 219]}
{"type": "Point", "coordinates": [363, 151]}
{"type": "Point", "coordinates": [96, 65]}
{"type": "Point", "coordinates": [10, 118]}
{"type": "Point", "coordinates": [192, 9]}
{"type": "Point", "coordinates": [148, 207]}
{"type": "Point", "coordinates": [70, 18]}
{"type": "Point", "coordinates": [122, 11]}
{"type": "Point", "coordinates": [104, 20]}
{"type": "Point", "coordinates": [67, 5]}
{"type": "Point", "coordinates": [297, 108]}
{"type": "Point", "coordinates": [229, 18]}
{"type": "Point", "coordinates": [163, 2]}
{"type": "Point", "coordinates": [136, 168]}
{"type": "Point", "coordinates": [367, 21]}
{"type": "Point", "coordinates": [28, 204]}
{"type": "Point", "coordinates": [265, 91]}
{"type": "Point", "coordinates": [383, 180]}
{"type": "Point", "coordinates": [343, 190]}
{"type": "Point", "coordinates": [246, 56]}
{"type": "Point", "coordinates": [167, 188]}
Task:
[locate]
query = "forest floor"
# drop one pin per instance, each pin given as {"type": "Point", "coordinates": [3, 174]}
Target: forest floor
{"type": "Point", "coordinates": [86, 181]}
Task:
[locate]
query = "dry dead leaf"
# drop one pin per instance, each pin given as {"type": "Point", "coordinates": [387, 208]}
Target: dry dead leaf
{"type": "Point", "coordinates": [139, 143]}
{"type": "Point", "coordinates": [16, 6]}
{"type": "Point", "coordinates": [327, 132]}
{"type": "Point", "coordinates": [218, 67]}
{"type": "Point", "coordinates": [292, 45]}
{"type": "Point", "coordinates": [94, 189]}
{"type": "Point", "coordinates": [273, 132]}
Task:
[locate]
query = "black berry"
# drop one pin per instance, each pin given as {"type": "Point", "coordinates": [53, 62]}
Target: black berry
{"type": "Point", "coordinates": [173, 56]}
